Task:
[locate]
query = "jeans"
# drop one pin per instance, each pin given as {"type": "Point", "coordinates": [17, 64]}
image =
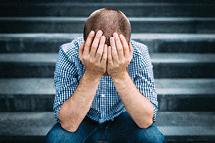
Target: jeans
{"type": "Point", "coordinates": [121, 130]}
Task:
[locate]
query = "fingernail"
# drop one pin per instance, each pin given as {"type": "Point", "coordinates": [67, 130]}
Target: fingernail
{"type": "Point", "coordinates": [91, 33]}
{"type": "Point", "coordinates": [115, 34]}
{"type": "Point", "coordinates": [121, 35]}
{"type": "Point", "coordinates": [99, 32]}
{"type": "Point", "coordinates": [112, 38]}
{"type": "Point", "coordinates": [103, 37]}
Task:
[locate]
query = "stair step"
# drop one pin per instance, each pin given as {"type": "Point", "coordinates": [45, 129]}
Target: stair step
{"type": "Point", "coordinates": [37, 94]}
{"type": "Point", "coordinates": [138, 25]}
{"type": "Point", "coordinates": [165, 65]}
{"type": "Point", "coordinates": [176, 126]}
{"type": "Point", "coordinates": [108, 1]}
{"type": "Point", "coordinates": [132, 8]}
{"type": "Point", "coordinates": [157, 43]}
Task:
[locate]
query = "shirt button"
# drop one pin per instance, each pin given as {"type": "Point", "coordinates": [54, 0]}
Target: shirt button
{"type": "Point", "coordinates": [102, 95]}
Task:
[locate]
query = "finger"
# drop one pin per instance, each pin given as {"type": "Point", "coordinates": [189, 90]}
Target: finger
{"type": "Point", "coordinates": [104, 56]}
{"type": "Point", "coordinates": [95, 43]}
{"type": "Point", "coordinates": [113, 50]}
{"type": "Point", "coordinates": [109, 54]}
{"type": "Point", "coordinates": [125, 46]}
{"type": "Point", "coordinates": [88, 43]}
{"type": "Point", "coordinates": [112, 42]}
{"type": "Point", "coordinates": [118, 46]}
{"type": "Point", "coordinates": [100, 49]}
{"type": "Point", "coordinates": [131, 49]}
{"type": "Point", "coordinates": [81, 48]}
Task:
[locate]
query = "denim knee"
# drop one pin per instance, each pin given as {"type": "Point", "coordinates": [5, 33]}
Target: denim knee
{"type": "Point", "coordinates": [151, 135]}
{"type": "Point", "coordinates": [58, 134]}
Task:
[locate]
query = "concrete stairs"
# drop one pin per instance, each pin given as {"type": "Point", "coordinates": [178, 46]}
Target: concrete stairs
{"type": "Point", "coordinates": [181, 40]}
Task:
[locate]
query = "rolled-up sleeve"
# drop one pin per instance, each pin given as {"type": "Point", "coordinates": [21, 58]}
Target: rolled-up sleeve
{"type": "Point", "coordinates": [143, 76]}
{"type": "Point", "coordinates": [65, 80]}
{"type": "Point", "coordinates": [146, 86]}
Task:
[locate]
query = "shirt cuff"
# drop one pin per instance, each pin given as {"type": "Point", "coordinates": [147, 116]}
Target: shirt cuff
{"type": "Point", "coordinates": [155, 113]}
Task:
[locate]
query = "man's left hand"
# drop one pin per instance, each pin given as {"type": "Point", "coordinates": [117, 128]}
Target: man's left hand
{"type": "Point", "coordinates": [119, 56]}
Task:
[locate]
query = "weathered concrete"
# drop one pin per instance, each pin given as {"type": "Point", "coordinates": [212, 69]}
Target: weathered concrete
{"type": "Point", "coordinates": [37, 94]}
{"type": "Point", "coordinates": [138, 25]}
{"type": "Point", "coordinates": [107, 1]}
{"type": "Point", "coordinates": [137, 9]}
{"type": "Point", "coordinates": [171, 124]}
{"type": "Point", "coordinates": [157, 43]}
{"type": "Point", "coordinates": [184, 82]}
{"type": "Point", "coordinates": [165, 65]}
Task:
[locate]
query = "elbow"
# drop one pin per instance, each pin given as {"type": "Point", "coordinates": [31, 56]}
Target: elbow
{"type": "Point", "coordinates": [69, 128]}
{"type": "Point", "coordinates": [145, 124]}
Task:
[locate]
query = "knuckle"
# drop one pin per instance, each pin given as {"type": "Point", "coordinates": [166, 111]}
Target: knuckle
{"type": "Point", "coordinates": [129, 59]}
{"type": "Point", "coordinates": [117, 39]}
{"type": "Point", "coordinates": [115, 54]}
{"type": "Point", "coordinates": [116, 65]}
{"type": "Point", "coordinates": [99, 53]}
{"type": "Point", "coordinates": [124, 59]}
{"type": "Point", "coordinates": [98, 35]}
{"type": "Point", "coordinates": [87, 45]}
{"type": "Point", "coordinates": [94, 46]}
{"type": "Point", "coordinates": [104, 58]}
{"type": "Point", "coordinates": [84, 58]}
{"type": "Point", "coordinates": [120, 49]}
{"type": "Point", "coordinates": [91, 61]}
{"type": "Point", "coordinates": [97, 65]}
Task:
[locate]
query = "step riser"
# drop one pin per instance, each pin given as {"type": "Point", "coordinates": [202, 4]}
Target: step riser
{"type": "Point", "coordinates": [44, 103]}
{"type": "Point", "coordinates": [24, 103]}
{"type": "Point", "coordinates": [137, 10]}
{"type": "Point", "coordinates": [184, 46]}
{"type": "Point", "coordinates": [51, 45]}
{"type": "Point", "coordinates": [22, 139]}
{"type": "Point", "coordinates": [17, 70]}
{"type": "Point", "coordinates": [32, 45]}
{"type": "Point", "coordinates": [183, 70]}
{"type": "Point", "coordinates": [161, 70]}
{"type": "Point", "coordinates": [137, 26]}
{"type": "Point", "coordinates": [130, 1]}
{"type": "Point", "coordinates": [174, 98]}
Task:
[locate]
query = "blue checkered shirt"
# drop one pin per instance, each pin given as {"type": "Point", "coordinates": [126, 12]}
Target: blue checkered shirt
{"type": "Point", "coordinates": [106, 104]}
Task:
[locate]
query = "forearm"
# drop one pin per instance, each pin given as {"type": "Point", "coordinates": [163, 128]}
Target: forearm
{"type": "Point", "coordinates": [138, 106]}
{"type": "Point", "coordinates": [74, 110]}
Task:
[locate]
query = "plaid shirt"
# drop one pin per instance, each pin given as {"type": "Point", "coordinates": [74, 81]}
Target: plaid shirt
{"type": "Point", "coordinates": [106, 104]}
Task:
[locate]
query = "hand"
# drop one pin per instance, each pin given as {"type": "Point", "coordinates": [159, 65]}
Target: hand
{"type": "Point", "coordinates": [93, 54]}
{"type": "Point", "coordinates": [119, 56]}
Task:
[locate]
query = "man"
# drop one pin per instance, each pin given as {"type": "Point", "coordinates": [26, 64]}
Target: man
{"type": "Point", "coordinates": [105, 86]}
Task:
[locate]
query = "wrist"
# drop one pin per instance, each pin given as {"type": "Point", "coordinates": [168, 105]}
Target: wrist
{"type": "Point", "coordinates": [120, 76]}
{"type": "Point", "coordinates": [92, 75]}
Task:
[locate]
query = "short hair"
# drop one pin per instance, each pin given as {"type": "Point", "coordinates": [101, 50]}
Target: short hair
{"type": "Point", "coordinates": [108, 20]}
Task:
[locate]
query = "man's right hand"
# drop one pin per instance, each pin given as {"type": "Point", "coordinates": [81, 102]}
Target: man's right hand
{"type": "Point", "coordinates": [93, 54]}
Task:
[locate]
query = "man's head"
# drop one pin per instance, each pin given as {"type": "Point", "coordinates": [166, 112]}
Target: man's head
{"type": "Point", "coordinates": [109, 21]}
